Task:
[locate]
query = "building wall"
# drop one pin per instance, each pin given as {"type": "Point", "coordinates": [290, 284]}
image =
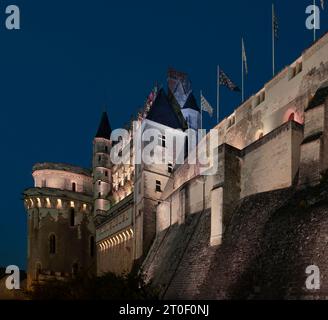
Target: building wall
{"type": "Point", "coordinates": [268, 164]}
{"type": "Point", "coordinates": [48, 216]}
{"type": "Point", "coordinates": [115, 239]}
{"type": "Point", "coordinates": [63, 180]}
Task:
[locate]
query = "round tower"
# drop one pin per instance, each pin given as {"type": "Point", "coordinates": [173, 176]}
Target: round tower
{"type": "Point", "coordinates": [61, 232]}
{"type": "Point", "coordinates": [102, 166]}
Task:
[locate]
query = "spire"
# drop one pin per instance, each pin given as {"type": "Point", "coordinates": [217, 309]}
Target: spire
{"type": "Point", "coordinates": [104, 130]}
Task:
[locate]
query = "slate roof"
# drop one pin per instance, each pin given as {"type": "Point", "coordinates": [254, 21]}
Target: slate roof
{"type": "Point", "coordinates": [104, 130]}
{"type": "Point", "coordinates": [191, 103]}
{"type": "Point", "coordinates": [163, 112]}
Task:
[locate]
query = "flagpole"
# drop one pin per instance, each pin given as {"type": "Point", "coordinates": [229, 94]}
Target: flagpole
{"type": "Point", "coordinates": [273, 42]}
{"type": "Point", "coordinates": [218, 96]}
{"type": "Point", "coordinates": [242, 71]}
{"type": "Point", "coordinates": [201, 110]}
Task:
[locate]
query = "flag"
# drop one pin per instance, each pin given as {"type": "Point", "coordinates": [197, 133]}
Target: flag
{"type": "Point", "coordinates": [275, 24]}
{"type": "Point", "coordinates": [323, 4]}
{"type": "Point", "coordinates": [205, 105]}
{"type": "Point", "coordinates": [224, 80]}
{"type": "Point", "coordinates": [244, 56]}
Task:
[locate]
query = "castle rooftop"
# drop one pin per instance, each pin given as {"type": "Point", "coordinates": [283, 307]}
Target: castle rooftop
{"type": "Point", "coordinates": [61, 167]}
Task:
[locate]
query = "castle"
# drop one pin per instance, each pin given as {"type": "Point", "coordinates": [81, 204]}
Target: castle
{"type": "Point", "coordinates": [113, 217]}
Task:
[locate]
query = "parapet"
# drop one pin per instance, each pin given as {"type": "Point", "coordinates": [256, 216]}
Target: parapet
{"type": "Point", "coordinates": [62, 167]}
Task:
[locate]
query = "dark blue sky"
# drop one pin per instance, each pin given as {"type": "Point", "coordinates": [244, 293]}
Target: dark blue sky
{"type": "Point", "coordinates": [71, 58]}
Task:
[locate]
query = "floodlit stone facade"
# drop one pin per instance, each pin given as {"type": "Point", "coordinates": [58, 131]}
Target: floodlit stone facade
{"type": "Point", "coordinates": [135, 213]}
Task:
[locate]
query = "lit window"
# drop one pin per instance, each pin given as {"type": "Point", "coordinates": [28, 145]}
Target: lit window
{"type": "Point", "coordinates": [158, 186]}
{"type": "Point", "coordinates": [48, 203]}
{"type": "Point", "coordinates": [292, 117]}
{"type": "Point", "coordinates": [59, 204]}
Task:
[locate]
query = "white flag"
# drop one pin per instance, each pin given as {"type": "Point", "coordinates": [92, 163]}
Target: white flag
{"type": "Point", "coordinates": [244, 56]}
{"type": "Point", "coordinates": [205, 105]}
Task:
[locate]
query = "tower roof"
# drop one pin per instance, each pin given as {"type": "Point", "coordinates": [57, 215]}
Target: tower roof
{"type": "Point", "coordinates": [164, 113]}
{"type": "Point", "coordinates": [104, 130]}
{"type": "Point", "coordinates": [191, 103]}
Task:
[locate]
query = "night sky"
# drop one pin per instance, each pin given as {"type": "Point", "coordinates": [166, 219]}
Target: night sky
{"type": "Point", "coordinates": [72, 59]}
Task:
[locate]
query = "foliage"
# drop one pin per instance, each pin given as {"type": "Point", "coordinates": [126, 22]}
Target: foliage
{"type": "Point", "coordinates": [106, 287]}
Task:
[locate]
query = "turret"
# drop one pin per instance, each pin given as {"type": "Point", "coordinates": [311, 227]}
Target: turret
{"type": "Point", "coordinates": [102, 167]}
{"type": "Point", "coordinates": [61, 233]}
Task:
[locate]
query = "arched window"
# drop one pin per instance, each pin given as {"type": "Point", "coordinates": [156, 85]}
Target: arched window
{"type": "Point", "coordinates": [52, 244]}
{"type": "Point", "coordinates": [74, 187]}
{"type": "Point", "coordinates": [292, 117]}
{"type": "Point", "coordinates": [92, 246]}
{"type": "Point", "coordinates": [72, 217]}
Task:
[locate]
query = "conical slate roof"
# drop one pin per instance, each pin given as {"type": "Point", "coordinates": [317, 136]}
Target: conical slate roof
{"type": "Point", "coordinates": [191, 103]}
{"type": "Point", "coordinates": [104, 130]}
{"type": "Point", "coordinates": [164, 113]}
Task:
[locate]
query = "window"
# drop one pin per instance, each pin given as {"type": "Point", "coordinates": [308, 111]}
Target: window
{"type": "Point", "coordinates": [106, 149]}
{"type": "Point", "coordinates": [72, 217]}
{"type": "Point", "coordinates": [158, 186]}
{"type": "Point", "coordinates": [106, 173]}
{"type": "Point", "coordinates": [74, 187]}
{"type": "Point", "coordinates": [162, 141]}
{"type": "Point", "coordinates": [44, 183]}
{"type": "Point", "coordinates": [52, 244]}
{"type": "Point", "coordinates": [99, 158]}
{"type": "Point", "coordinates": [92, 246]}
{"type": "Point", "coordinates": [170, 168]}
{"type": "Point", "coordinates": [99, 195]}
{"type": "Point", "coordinates": [292, 117]}
{"type": "Point", "coordinates": [261, 135]}
{"type": "Point", "coordinates": [99, 183]}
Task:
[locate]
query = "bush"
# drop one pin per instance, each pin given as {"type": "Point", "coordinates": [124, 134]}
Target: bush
{"type": "Point", "coordinates": [106, 287]}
